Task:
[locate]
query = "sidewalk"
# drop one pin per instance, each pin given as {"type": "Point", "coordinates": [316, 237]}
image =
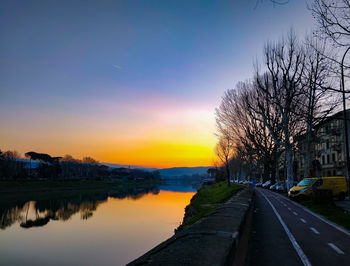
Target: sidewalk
{"type": "Point", "coordinates": [345, 204]}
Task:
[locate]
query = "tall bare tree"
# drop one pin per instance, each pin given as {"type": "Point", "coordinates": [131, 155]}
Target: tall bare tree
{"type": "Point", "coordinates": [319, 101]}
{"type": "Point", "coordinates": [235, 118]}
{"type": "Point", "coordinates": [282, 88]}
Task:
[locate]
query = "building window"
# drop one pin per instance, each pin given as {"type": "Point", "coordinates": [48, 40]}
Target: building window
{"type": "Point", "coordinates": [327, 129]}
{"type": "Point", "coordinates": [333, 157]}
{"type": "Point", "coordinates": [327, 144]}
{"type": "Point", "coordinates": [323, 161]}
{"type": "Point", "coordinates": [328, 158]}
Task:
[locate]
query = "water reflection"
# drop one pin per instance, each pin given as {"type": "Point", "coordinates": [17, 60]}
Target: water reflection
{"type": "Point", "coordinates": [110, 228]}
{"type": "Point", "coordinates": [39, 213]}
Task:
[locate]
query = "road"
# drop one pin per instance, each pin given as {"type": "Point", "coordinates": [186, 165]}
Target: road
{"type": "Point", "coordinates": [285, 233]}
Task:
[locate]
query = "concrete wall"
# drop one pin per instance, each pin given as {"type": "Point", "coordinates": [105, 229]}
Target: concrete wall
{"type": "Point", "coordinates": [217, 239]}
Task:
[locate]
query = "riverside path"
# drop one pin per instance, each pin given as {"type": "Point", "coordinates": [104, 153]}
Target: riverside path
{"type": "Point", "coordinates": [286, 233]}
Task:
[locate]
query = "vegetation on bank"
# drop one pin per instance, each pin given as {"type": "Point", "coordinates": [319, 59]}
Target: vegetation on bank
{"type": "Point", "coordinates": [44, 166]}
{"type": "Point", "coordinates": [206, 200]}
{"type": "Point", "coordinates": [24, 190]}
{"type": "Point", "coordinates": [330, 212]}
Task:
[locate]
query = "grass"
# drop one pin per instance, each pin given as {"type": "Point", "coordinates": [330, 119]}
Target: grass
{"type": "Point", "coordinates": [330, 212]}
{"type": "Point", "coordinates": [206, 200]}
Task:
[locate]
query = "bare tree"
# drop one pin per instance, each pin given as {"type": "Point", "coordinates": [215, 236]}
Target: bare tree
{"type": "Point", "coordinates": [225, 150]}
{"type": "Point", "coordinates": [252, 139]}
{"type": "Point", "coordinates": [282, 88]}
{"type": "Point", "coordinates": [333, 17]}
{"type": "Point", "coordinates": [319, 101]}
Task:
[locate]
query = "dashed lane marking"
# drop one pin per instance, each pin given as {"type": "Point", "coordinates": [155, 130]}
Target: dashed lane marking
{"type": "Point", "coordinates": [295, 213]}
{"type": "Point", "coordinates": [289, 209]}
{"type": "Point", "coordinates": [301, 219]}
{"type": "Point", "coordinates": [295, 244]}
{"type": "Point", "coordinates": [338, 250]}
{"type": "Point", "coordinates": [339, 228]}
{"type": "Point", "coordinates": [314, 230]}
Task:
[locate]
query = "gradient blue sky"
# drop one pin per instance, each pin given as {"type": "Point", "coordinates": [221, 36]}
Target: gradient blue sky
{"type": "Point", "coordinates": [132, 82]}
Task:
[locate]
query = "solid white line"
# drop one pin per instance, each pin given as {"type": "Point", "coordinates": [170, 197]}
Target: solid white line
{"type": "Point", "coordinates": [338, 250]}
{"type": "Point", "coordinates": [315, 231]}
{"type": "Point", "coordinates": [301, 219]}
{"type": "Point", "coordinates": [298, 249]}
{"type": "Point", "coordinates": [339, 228]}
{"type": "Point", "coordinates": [295, 213]}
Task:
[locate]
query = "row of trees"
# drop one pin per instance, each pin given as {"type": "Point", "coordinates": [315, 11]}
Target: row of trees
{"type": "Point", "coordinates": [42, 165]}
{"type": "Point", "coordinates": [295, 88]}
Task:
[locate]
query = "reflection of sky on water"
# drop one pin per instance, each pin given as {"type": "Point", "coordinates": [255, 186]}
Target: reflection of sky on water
{"type": "Point", "coordinates": [119, 230]}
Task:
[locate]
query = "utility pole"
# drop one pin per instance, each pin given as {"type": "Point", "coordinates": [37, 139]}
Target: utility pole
{"type": "Point", "coordinates": [345, 122]}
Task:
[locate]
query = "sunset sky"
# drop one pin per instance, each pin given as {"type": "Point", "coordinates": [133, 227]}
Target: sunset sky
{"type": "Point", "coordinates": [128, 82]}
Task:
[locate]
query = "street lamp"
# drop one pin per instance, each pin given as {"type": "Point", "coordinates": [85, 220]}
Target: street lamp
{"type": "Point", "coordinates": [345, 122]}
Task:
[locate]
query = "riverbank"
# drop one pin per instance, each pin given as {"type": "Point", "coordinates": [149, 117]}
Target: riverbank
{"type": "Point", "coordinates": [216, 239]}
{"type": "Point", "coordinates": [205, 201]}
{"type": "Point", "coordinates": [25, 190]}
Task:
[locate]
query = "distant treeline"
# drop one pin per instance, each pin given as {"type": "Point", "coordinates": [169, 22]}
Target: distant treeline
{"type": "Point", "coordinates": [44, 166]}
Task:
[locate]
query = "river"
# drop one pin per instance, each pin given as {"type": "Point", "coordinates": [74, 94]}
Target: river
{"type": "Point", "coordinates": [95, 229]}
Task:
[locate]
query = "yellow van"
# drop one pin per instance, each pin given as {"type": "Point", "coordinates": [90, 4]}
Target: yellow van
{"type": "Point", "coordinates": [305, 187]}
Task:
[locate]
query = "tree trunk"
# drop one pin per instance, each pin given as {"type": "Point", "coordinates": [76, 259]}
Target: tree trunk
{"type": "Point", "coordinates": [289, 166]}
{"type": "Point", "coordinates": [307, 157]}
{"type": "Point", "coordinates": [228, 174]}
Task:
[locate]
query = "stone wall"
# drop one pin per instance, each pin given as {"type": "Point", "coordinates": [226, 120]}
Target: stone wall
{"type": "Point", "coordinates": [217, 239]}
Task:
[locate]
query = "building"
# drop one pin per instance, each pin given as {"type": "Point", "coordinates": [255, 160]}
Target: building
{"type": "Point", "coordinates": [328, 153]}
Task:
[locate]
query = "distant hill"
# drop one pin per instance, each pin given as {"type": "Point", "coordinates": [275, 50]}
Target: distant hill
{"type": "Point", "coordinates": [167, 172]}
{"type": "Point", "coordinates": [183, 171]}
{"type": "Point", "coordinates": [114, 165]}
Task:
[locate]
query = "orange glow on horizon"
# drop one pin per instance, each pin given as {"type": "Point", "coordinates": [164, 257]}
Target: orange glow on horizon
{"type": "Point", "coordinates": [172, 138]}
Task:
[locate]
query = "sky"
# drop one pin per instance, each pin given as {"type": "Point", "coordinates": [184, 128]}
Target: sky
{"type": "Point", "coordinates": [129, 82]}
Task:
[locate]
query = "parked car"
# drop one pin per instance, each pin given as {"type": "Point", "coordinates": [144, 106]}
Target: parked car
{"type": "Point", "coordinates": [281, 186]}
{"type": "Point", "coordinates": [266, 184]}
{"type": "Point", "coordinates": [305, 187]}
{"type": "Point", "coordinates": [258, 184]}
{"type": "Point", "coordinates": [273, 187]}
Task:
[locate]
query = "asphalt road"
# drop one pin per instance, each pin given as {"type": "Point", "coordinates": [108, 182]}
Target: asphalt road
{"type": "Point", "coordinates": [285, 233]}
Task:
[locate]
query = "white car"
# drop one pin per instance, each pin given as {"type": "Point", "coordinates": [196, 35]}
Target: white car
{"type": "Point", "coordinates": [281, 186]}
{"type": "Point", "coordinates": [273, 187]}
{"type": "Point", "coordinates": [266, 184]}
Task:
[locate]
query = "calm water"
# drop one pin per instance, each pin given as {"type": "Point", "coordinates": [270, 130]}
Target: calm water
{"type": "Point", "coordinates": [99, 229]}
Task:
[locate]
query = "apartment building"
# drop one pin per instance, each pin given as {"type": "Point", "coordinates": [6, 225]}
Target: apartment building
{"type": "Point", "coordinates": [328, 152]}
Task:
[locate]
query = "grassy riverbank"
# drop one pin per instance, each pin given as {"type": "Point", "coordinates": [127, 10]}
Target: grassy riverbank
{"type": "Point", "coordinates": [206, 200]}
{"type": "Point", "coordinates": [330, 212]}
{"type": "Point", "coordinates": [42, 189]}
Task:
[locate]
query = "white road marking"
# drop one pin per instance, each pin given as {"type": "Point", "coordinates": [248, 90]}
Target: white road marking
{"type": "Point", "coordinates": [338, 250]}
{"type": "Point", "coordinates": [295, 213]}
{"type": "Point", "coordinates": [339, 228]}
{"type": "Point", "coordinates": [289, 209]}
{"type": "Point", "coordinates": [301, 219]}
{"type": "Point", "coordinates": [298, 249]}
{"type": "Point", "coordinates": [314, 230]}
